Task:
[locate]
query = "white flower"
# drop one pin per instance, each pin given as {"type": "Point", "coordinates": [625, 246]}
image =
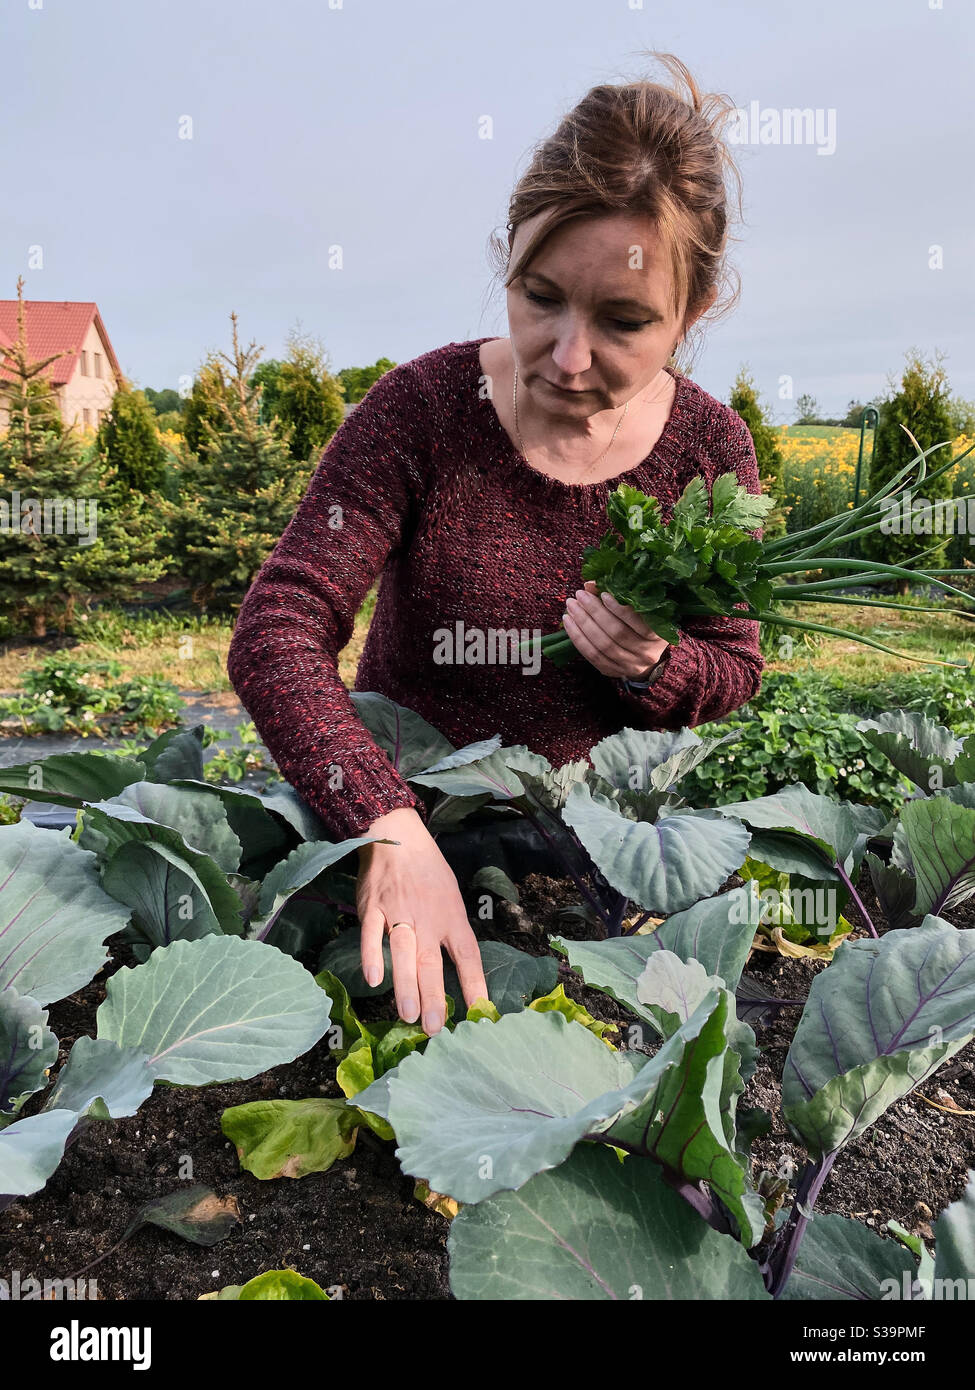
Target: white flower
{"type": "Point", "coordinates": [843, 772]}
{"type": "Point", "coordinates": [968, 704]}
{"type": "Point", "coordinates": [731, 757]}
{"type": "Point", "coordinates": [802, 709]}
{"type": "Point", "coordinates": [721, 760]}
{"type": "Point", "coordinates": [859, 764]}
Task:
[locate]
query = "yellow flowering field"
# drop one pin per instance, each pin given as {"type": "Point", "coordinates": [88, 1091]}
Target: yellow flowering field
{"type": "Point", "coordinates": [818, 472]}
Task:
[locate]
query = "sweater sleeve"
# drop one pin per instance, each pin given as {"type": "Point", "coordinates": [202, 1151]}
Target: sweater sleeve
{"type": "Point", "coordinates": [717, 665]}
{"type": "Point", "coordinates": [300, 610]}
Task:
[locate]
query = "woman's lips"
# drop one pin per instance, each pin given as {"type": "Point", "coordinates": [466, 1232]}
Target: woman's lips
{"type": "Point", "coordinates": [564, 390]}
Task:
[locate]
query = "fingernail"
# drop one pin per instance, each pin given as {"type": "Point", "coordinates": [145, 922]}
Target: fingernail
{"type": "Point", "coordinates": [409, 1010]}
{"type": "Point", "coordinates": [431, 1022]}
{"type": "Point", "coordinates": [373, 976]}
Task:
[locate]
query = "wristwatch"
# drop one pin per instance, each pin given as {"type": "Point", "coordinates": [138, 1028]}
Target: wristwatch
{"type": "Point", "coordinates": [654, 673]}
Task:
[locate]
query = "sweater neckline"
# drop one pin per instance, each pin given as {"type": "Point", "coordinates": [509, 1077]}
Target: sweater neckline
{"type": "Point", "coordinates": [533, 481]}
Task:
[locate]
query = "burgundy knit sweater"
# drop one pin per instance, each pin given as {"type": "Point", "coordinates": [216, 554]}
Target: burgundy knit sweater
{"type": "Point", "coordinates": [422, 484]}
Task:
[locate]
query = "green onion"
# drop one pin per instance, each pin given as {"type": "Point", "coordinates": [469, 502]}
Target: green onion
{"type": "Point", "coordinates": [706, 560]}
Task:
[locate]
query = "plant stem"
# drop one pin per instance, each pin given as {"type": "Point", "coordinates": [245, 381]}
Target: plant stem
{"type": "Point", "coordinates": [556, 849]}
{"type": "Point", "coordinates": [856, 898]}
{"type": "Point", "coordinates": [632, 931]}
{"type": "Point", "coordinates": [781, 1261]}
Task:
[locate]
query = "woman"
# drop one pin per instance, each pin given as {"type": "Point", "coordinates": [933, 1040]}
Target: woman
{"type": "Point", "coordinates": [472, 477]}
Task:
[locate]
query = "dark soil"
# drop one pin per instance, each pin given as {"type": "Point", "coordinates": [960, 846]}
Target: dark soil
{"type": "Point", "coordinates": [358, 1227]}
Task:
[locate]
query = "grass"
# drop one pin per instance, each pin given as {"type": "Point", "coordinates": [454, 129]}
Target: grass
{"type": "Point", "coordinates": [940, 637]}
{"type": "Point", "coordinates": [189, 651]}
{"type": "Point", "coordinates": [192, 652]}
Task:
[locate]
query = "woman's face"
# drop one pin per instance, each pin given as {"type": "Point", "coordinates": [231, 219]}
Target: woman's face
{"type": "Point", "coordinates": [592, 314]}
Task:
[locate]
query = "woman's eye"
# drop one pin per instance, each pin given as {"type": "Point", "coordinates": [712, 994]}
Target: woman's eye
{"type": "Point", "coordinates": [624, 325]}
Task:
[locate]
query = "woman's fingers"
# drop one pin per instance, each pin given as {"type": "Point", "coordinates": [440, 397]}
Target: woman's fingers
{"type": "Point", "coordinates": [622, 611]}
{"type": "Point", "coordinates": [372, 925]}
{"type": "Point", "coordinates": [466, 956]}
{"type": "Point", "coordinates": [429, 974]}
{"type": "Point", "coordinates": [402, 945]}
{"type": "Point", "coordinates": [604, 625]}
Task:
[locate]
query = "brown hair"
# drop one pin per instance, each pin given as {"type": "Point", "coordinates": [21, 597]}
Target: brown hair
{"type": "Point", "coordinates": [644, 149]}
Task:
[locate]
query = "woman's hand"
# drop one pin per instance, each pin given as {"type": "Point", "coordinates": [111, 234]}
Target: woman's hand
{"type": "Point", "coordinates": [412, 883]}
{"type": "Point", "coordinates": [611, 635]}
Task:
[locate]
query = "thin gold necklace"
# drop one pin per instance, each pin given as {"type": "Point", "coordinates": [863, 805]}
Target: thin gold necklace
{"type": "Point", "coordinates": [514, 406]}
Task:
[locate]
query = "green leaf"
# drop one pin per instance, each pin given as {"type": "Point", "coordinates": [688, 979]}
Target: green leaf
{"type": "Point", "coordinates": [357, 1078]}
{"type": "Point", "coordinates": [497, 773]}
{"type": "Point", "coordinates": [915, 746]}
{"type": "Point", "coordinates": [831, 826]}
{"type": "Point", "coordinates": [937, 837]}
{"type": "Point", "coordinates": [344, 1028]}
{"type": "Point", "coordinates": [282, 1285]}
{"type": "Point", "coordinates": [219, 1009]}
{"type": "Point", "coordinates": [108, 828]}
{"type": "Point", "coordinates": [692, 505]}
{"type": "Point", "coordinates": [70, 779]}
{"type": "Point", "coordinates": [482, 1008]}
{"type": "Point", "coordinates": [301, 867]}
{"type": "Point", "coordinates": [484, 1108]}
{"type": "Point", "coordinates": [175, 753]}
{"type": "Point", "coordinates": [290, 1138]}
{"type": "Point", "coordinates": [896, 891]}
{"type": "Point", "coordinates": [200, 820]}
{"type": "Point", "coordinates": [687, 1122]}
{"type": "Point", "coordinates": [664, 866]}
{"type": "Point", "coordinates": [558, 1001]}
{"type": "Point", "coordinates": [54, 914]}
{"type": "Point", "coordinates": [102, 1079]}
{"type": "Point", "coordinates": [954, 1233]}
{"type": "Point", "coordinates": [28, 1049]}
{"type": "Point", "coordinates": [718, 932]}
{"type": "Point", "coordinates": [31, 1148]}
{"type": "Point", "coordinates": [842, 1258]}
{"type": "Point", "coordinates": [878, 1022]}
{"type": "Point", "coordinates": [513, 977]}
{"type": "Point", "coordinates": [167, 896]}
{"type": "Point", "coordinates": [343, 959]}
{"type": "Point", "coordinates": [595, 1228]}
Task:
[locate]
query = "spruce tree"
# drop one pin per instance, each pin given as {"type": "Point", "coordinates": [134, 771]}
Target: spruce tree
{"type": "Point", "coordinates": [922, 404]}
{"type": "Point", "coordinates": [744, 401]}
{"type": "Point", "coordinates": [238, 497]}
{"type": "Point", "coordinates": [128, 441]}
{"type": "Point", "coordinates": [65, 495]}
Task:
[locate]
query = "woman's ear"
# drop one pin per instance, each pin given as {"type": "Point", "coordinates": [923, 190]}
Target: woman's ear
{"type": "Point", "coordinates": [702, 308]}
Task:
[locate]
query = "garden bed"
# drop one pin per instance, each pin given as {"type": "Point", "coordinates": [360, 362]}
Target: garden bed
{"type": "Point", "coordinates": [358, 1226]}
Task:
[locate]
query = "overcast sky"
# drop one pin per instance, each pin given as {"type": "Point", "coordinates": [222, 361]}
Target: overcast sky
{"type": "Point", "coordinates": [354, 123]}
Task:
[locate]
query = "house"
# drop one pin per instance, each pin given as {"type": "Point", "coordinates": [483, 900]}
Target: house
{"type": "Point", "coordinates": [87, 378]}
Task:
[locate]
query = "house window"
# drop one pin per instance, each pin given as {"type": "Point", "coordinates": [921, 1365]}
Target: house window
{"type": "Point", "coordinates": [98, 363]}
{"type": "Point", "coordinates": [87, 416]}
{"type": "Point", "coordinates": [84, 362]}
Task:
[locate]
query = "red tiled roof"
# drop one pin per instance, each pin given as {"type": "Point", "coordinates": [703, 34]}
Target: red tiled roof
{"type": "Point", "coordinates": [54, 326]}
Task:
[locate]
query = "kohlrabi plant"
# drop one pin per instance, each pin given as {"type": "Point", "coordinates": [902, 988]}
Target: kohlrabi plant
{"type": "Point", "coordinates": [584, 1171]}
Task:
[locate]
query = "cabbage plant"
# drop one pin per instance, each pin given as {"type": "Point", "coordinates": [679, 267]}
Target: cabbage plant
{"type": "Point", "coordinates": [586, 1172]}
{"type": "Point", "coordinates": [217, 1008]}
